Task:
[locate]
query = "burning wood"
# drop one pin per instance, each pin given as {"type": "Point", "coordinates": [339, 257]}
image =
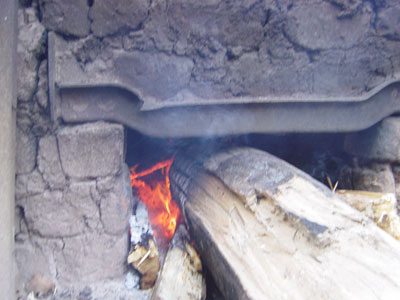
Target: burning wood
{"type": "Point", "coordinates": [146, 261]}
{"type": "Point", "coordinates": [144, 256]}
{"type": "Point", "coordinates": [153, 187]}
{"type": "Point", "coordinates": [180, 276]}
{"type": "Point", "coordinates": [266, 230]}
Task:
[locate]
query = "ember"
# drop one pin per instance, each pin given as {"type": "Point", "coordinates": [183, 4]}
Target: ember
{"type": "Point", "coordinates": [153, 187]}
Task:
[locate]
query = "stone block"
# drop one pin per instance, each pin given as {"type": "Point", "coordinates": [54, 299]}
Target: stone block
{"type": "Point", "coordinates": [29, 184]}
{"type": "Point", "coordinates": [109, 16]}
{"type": "Point", "coordinates": [59, 214]}
{"type": "Point", "coordinates": [25, 152]}
{"type": "Point", "coordinates": [49, 215]}
{"type": "Point", "coordinates": [31, 44]}
{"type": "Point", "coordinates": [49, 162]}
{"type": "Point", "coordinates": [30, 259]}
{"type": "Point", "coordinates": [91, 150]}
{"type": "Point", "coordinates": [79, 208]}
{"type": "Point", "coordinates": [388, 22]}
{"type": "Point", "coordinates": [375, 178]}
{"type": "Point", "coordinates": [116, 204]}
{"type": "Point", "coordinates": [380, 142]}
{"type": "Point", "coordinates": [91, 257]}
{"type": "Point", "coordinates": [26, 79]}
{"type": "Point", "coordinates": [82, 196]}
{"type": "Point", "coordinates": [63, 214]}
{"type": "Point", "coordinates": [66, 17]}
{"type": "Point", "coordinates": [325, 30]}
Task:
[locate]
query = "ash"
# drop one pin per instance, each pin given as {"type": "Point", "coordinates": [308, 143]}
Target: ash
{"type": "Point", "coordinates": [140, 224]}
{"type": "Point", "coordinates": [140, 228]}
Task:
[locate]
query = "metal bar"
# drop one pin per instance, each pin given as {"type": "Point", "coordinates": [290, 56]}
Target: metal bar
{"type": "Point", "coordinates": [119, 105]}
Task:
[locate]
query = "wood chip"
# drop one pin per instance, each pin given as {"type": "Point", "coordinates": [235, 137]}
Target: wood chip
{"type": "Point", "coordinates": [146, 261]}
{"type": "Point", "coordinates": [380, 207]}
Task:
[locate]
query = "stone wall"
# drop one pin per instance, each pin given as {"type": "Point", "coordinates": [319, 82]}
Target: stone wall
{"type": "Point", "coordinates": [218, 49]}
{"type": "Point", "coordinates": [72, 186]}
{"type": "Point", "coordinates": [73, 206]}
{"type": "Point", "coordinates": [73, 195]}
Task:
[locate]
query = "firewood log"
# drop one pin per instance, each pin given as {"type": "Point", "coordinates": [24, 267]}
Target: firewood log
{"type": "Point", "coordinates": [181, 273]}
{"type": "Point", "coordinates": [380, 207]}
{"type": "Point", "coordinates": [266, 230]}
{"type": "Point", "coordinates": [145, 259]}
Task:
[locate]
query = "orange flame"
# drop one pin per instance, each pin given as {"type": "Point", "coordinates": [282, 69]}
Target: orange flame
{"type": "Point", "coordinates": [153, 187]}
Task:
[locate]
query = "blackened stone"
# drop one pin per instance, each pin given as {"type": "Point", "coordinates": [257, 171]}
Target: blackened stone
{"type": "Point", "coordinates": [66, 17]}
{"type": "Point", "coordinates": [41, 96]}
{"type": "Point", "coordinates": [110, 16]}
{"type": "Point", "coordinates": [396, 174]}
{"type": "Point", "coordinates": [380, 142]}
{"type": "Point", "coordinates": [375, 178]}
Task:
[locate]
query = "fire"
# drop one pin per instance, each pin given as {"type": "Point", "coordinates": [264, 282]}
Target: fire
{"type": "Point", "coordinates": [153, 187]}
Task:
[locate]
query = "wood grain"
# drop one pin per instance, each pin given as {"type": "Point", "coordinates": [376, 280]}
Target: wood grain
{"type": "Point", "coordinates": [268, 231]}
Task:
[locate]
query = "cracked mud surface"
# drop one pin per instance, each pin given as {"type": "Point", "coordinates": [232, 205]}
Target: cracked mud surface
{"type": "Point", "coordinates": [223, 50]}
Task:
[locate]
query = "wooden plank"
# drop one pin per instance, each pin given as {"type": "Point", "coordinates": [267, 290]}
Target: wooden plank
{"type": "Point", "coordinates": [268, 231]}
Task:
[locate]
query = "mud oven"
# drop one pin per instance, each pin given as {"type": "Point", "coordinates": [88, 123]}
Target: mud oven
{"type": "Point", "coordinates": [103, 85]}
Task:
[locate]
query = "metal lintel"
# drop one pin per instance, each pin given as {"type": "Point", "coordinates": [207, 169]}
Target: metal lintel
{"type": "Point", "coordinates": [118, 105]}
